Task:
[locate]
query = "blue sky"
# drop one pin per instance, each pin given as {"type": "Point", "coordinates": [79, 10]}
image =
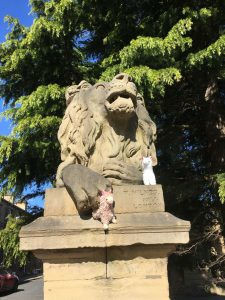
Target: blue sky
{"type": "Point", "coordinates": [18, 9]}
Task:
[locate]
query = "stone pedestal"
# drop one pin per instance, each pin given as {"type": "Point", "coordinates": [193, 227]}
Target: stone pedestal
{"type": "Point", "coordinates": [128, 262]}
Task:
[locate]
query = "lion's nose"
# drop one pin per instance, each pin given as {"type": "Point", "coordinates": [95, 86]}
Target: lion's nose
{"type": "Point", "coordinates": [125, 78]}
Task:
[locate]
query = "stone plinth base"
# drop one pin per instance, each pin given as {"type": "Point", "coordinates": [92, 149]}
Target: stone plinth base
{"type": "Point", "coordinates": [81, 261]}
{"type": "Point", "coordinates": [120, 273]}
{"type": "Point", "coordinates": [128, 199]}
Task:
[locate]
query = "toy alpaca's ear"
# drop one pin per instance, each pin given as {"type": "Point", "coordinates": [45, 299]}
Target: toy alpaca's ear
{"type": "Point", "coordinates": [100, 193]}
{"type": "Point", "coordinates": [108, 190]}
{"type": "Point", "coordinates": [103, 193]}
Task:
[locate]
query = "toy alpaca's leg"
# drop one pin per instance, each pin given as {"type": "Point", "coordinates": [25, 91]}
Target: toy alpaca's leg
{"type": "Point", "coordinates": [105, 222]}
{"type": "Point", "coordinates": [146, 180]}
{"type": "Point", "coordinates": [96, 215]}
{"type": "Point", "coordinates": [152, 181]}
{"type": "Point", "coordinates": [105, 226]}
{"type": "Point", "coordinates": [114, 221]}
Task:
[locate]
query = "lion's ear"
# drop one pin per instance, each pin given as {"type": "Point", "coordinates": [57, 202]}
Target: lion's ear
{"type": "Point", "coordinates": [69, 94]}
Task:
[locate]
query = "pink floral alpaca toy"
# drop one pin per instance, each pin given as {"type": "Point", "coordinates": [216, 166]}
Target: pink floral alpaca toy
{"type": "Point", "coordinates": [105, 212]}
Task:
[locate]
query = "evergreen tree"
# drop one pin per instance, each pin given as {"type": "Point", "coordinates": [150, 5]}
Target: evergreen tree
{"type": "Point", "coordinates": [174, 51]}
{"type": "Point", "coordinates": [179, 67]}
{"type": "Point", "coordinates": [9, 243]}
{"type": "Point", "coordinates": [176, 56]}
{"type": "Point", "coordinates": [37, 63]}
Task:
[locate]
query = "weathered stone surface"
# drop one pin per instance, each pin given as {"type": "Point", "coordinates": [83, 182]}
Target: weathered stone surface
{"type": "Point", "coordinates": [59, 203]}
{"type": "Point", "coordinates": [115, 289]}
{"type": "Point", "coordinates": [84, 184]}
{"type": "Point", "coordinates": [148, 228]}
{"type": "Point", "coordinates": [105, 132]}
{"type": "Point", "coordinates": [74, 232]}
{"type": "Point", "coordinates": [106, 128]}
{"type": "Point", "coordinates": [130, 262]}
{"type": "Point", "coordinates": [88, 263]}
{"type": "Point", "coordinates": [138, 198]}
{"type": "Point", "coordinates": [62, 233]}
{"type": "Point", "coordinates": [139, 261]}
{"type": "Point", "coordinates": [131, 272]}
{"type": "Point", "coordinates": [128, 199]}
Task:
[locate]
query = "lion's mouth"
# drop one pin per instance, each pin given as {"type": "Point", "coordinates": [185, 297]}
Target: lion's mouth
{"type": "Point", "coordinates": [121, 101]}
{"type": "Point", "coordinates": [113, 96]}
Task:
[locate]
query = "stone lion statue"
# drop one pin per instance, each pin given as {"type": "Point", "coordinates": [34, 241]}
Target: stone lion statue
{"type": "Point", "coordinates": [105, 132]}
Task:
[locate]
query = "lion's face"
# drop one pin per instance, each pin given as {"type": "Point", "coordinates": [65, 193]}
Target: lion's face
{"type": "Point", "coordinates": [121, 99]}
{"type": "Point", "coordinates": [117, 98]}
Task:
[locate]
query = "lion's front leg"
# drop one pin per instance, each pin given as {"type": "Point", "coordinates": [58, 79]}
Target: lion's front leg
{"type": "Point", "coordinates": [64, 164]}
{"type": "Point", "coordinates": [84, 186]}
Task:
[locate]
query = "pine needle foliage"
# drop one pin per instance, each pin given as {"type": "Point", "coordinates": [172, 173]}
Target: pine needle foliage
{"type": "Point", "coordinates": [9, 243]}
{"type": "Point", "coordinates": [37, 63]}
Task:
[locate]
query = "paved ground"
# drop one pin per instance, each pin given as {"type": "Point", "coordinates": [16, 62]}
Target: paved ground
{"type": "Point", "coordinates": [202, 298]}
{"type": "Point", "coordinates": [30, 289]}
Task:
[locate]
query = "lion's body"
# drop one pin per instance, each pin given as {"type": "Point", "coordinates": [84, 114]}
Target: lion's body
{"type": "Point", "coordinates": [111, 145]}
{"type": "Point", "coordinates": [90, 136]}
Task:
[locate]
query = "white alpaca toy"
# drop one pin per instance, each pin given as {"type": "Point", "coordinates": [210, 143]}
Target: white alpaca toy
{"type": "Point", "coordinates": [148, 174]}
